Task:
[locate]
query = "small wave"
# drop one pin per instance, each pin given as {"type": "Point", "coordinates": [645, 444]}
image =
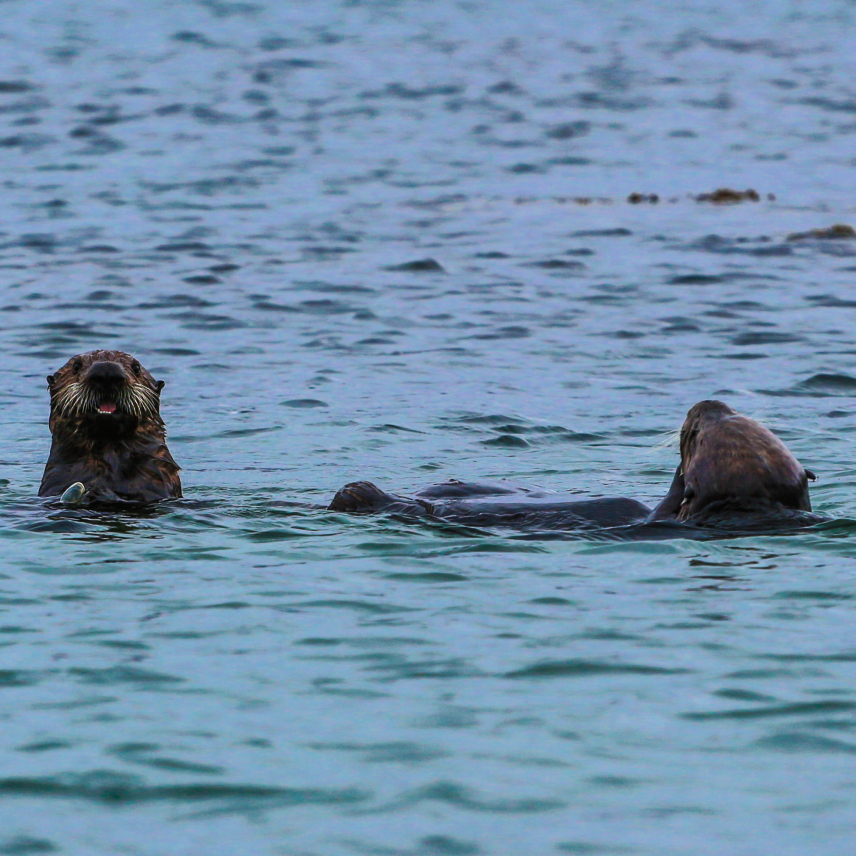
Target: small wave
{"type": "Point", "coordinates": [105, 786]}
{"type": "Point", "coordinates": [799, 709]}
{"type": "Point", "coordinates": [462, 797]}
{"type": "Point", "coordinates": [763, 337]}
{"type": "Point", "coordinates": [418, 266]}
{"type": "Point", "coordinates": [305, 403]}
{"type": "Point", "coordinates": [586, 668]}
{"type": "Point", "coordinates": [828, 383]}
{"type": "Point", "coordinates": [507, 441]}
{"type": "Point", "coordinates": [798, 741]}
{"type": "Point", "coordinates": [600, 233]}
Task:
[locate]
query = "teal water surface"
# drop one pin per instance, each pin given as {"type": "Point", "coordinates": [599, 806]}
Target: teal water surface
{"type": "Point", "coordinates": [393, 241]}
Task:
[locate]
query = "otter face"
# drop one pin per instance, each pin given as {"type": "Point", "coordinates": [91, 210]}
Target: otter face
{"type": "Point", "coordinates": [109, 390]}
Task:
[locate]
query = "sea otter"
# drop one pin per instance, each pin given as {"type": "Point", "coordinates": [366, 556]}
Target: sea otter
{"type": "Point", "coordinates": [107, 432]}
{"type": "Point", "coordinates": [734, 473]}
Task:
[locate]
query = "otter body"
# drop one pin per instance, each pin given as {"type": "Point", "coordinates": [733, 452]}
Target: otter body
{"type": "Point", "coordinates": [107, 432]}
{"type": "Point", "coordinates": [735, 477]}
{"type": "Point", "coordinates": [492, 505]}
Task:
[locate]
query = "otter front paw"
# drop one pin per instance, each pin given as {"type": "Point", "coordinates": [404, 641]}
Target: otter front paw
{"type": "Point", "coordinates": [74, 494]}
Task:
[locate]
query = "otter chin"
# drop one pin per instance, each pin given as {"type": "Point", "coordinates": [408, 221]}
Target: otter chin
{"type": "Point", "coordinates": [107, 432]}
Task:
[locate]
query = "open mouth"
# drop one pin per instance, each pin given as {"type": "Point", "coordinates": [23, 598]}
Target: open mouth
{"type": "Point", "coordinates": [107, 407]}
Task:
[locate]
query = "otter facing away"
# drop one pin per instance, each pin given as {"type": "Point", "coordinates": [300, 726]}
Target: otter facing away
{"type": "Point", "coordinates": [107, 433]}
{"type": "Point", "coordinates": [732, 465]}
{"type": "Point", "coordinates": [734, 474]}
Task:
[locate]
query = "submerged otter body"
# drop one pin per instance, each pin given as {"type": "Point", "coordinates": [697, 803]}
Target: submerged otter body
{"type": "Point", "coordinates": [491, 505]}
{"type": "Point", "coordinates": [107, 432]}
{"type": "Point", "coordinates": [735, 477]}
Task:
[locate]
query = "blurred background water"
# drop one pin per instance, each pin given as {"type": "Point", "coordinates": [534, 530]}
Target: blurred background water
{"type": "Point", "coordinates": [392, 240]}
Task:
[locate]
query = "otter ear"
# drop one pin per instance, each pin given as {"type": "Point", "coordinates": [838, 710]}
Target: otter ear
{"type": "Point", "coordinates": [810, 475]}
{"type": "Point", "coordinates": [51, 380]}
{"type": "Point", "coordinates": [160, 384]}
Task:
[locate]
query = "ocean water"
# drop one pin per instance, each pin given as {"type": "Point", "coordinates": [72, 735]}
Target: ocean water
{"type": "Point", "coordinates": [393, 240]}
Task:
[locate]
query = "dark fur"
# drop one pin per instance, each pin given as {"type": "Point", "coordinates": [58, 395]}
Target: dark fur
{"type": "Point", "coordinates": [118, 456]}
{"type": "Point", "coordinates": [735, 477]}
{"type": "Point", "coordinates": [491, 505]}
{"type": "Point", "coordinates": [731, 463]}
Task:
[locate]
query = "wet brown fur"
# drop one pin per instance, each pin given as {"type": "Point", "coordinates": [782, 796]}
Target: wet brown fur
{"type": "Point", "coordinates": [120, 456]}
{"type": "Point", "coordinates": [731, 461]}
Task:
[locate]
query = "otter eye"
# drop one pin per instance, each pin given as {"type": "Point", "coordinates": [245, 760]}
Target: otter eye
{"type": "Point", "coordinates": [136, 368]}
{"type": "Point", "coordinates": [78, 365]}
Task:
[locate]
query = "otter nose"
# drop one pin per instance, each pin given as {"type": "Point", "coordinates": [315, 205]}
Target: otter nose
{"type": "Point", "coordinates": [106, 372]}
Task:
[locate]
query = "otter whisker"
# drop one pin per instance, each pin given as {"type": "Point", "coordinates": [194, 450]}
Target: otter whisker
{"type": "Point", "coordinates": [78, 399]}
{"type": "Point", "coordinates": [68, 401]}
{"type": "Point", "coordinates": [139, 401]}
{"type": "Point", "coordinates": [670, 440]}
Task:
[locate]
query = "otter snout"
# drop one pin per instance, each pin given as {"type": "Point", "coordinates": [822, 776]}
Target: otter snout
{"type": "Point", "coordinates": [106, 371]}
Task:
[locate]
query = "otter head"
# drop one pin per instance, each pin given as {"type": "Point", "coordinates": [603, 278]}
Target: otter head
{"type": "Point", "coordinates": [700, 417]}
{"type": "Point", "coordinates": [103, 394]}
{"type": "Point", "coordinates": [727, 457]}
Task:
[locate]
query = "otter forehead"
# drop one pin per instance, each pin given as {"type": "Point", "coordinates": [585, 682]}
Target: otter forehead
{"type": "Point", "coordinates": [99, 356]}
{"type": "Point", "coordinates": [711, 409]}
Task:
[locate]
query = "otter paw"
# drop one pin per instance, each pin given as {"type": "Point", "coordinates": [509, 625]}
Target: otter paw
{"type": "Point", "coordinates": [74, 494]}
{"type": "Point", "coordinates": [358, 496]}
